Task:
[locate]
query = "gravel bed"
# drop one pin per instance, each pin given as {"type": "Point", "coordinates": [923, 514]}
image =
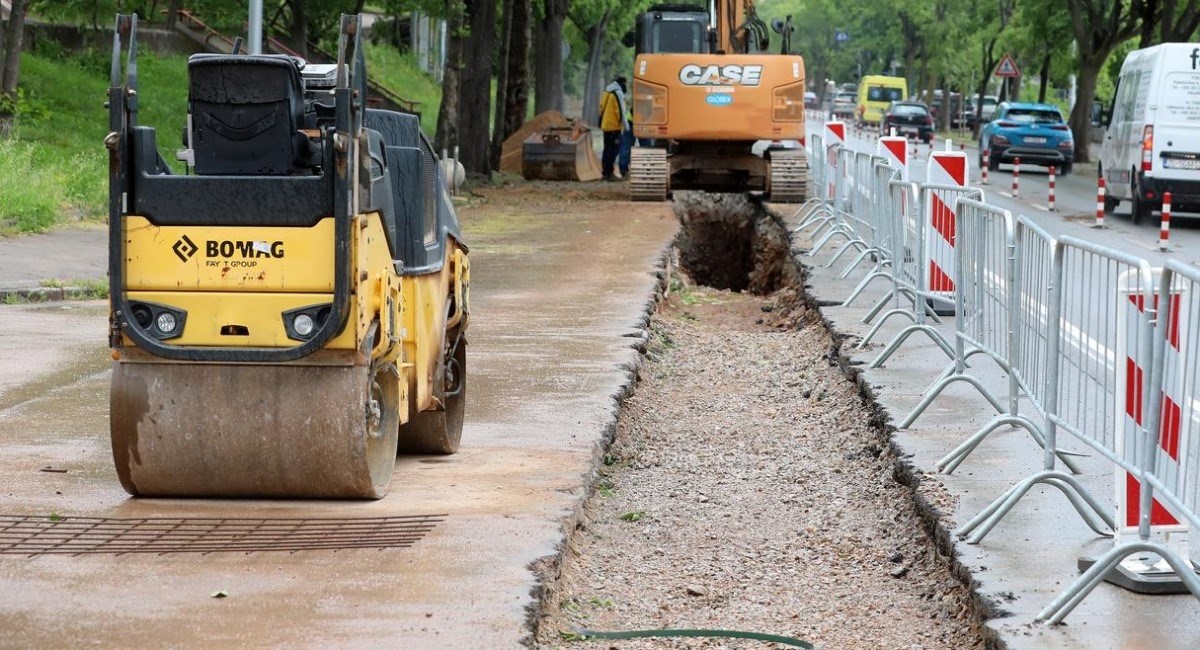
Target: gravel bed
{"type": "Point", "coordinates": [745, 489]}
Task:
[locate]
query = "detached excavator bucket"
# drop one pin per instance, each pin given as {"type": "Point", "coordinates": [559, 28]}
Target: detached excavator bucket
{"type": "Point", "coordinates": [560, 154]}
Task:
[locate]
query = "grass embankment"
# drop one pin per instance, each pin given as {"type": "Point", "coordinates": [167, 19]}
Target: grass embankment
{"type": "Point", "coordinates": [55, 169]}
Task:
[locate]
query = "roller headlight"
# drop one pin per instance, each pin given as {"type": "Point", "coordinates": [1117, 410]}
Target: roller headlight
{"type": "Point", "coordinates": [304, 325]}
{"type": "Point", "coordinates": [166, 322]}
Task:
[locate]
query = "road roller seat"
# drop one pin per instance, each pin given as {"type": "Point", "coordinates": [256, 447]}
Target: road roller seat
{"type": "Point", "coordinates": [247, 112]}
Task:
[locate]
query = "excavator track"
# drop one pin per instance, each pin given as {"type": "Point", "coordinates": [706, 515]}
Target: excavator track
{"type": "Point", "coordinates": [788, 176]}
{"type": "Point", "coordinates": [649, 174]}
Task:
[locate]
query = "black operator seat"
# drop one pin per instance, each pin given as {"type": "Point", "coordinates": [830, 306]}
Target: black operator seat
{"type": "Point", "coordinates": [247, 112]}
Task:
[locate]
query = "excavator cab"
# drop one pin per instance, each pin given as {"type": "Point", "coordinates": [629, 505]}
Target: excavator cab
{"type": "Point", "coordinates": [665, 29]}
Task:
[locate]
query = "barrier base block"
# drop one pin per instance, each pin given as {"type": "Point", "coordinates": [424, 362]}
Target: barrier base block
{"type": "Point", "coordinates": [941, 306]}
{"type": "Point", "coordinates": [1142, 575]}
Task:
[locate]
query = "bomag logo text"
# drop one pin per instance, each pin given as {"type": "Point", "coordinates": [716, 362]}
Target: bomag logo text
{"type": "Point", "coordinates": [231, 253]}
{"type": "Point", "coordinates": [720, 75]}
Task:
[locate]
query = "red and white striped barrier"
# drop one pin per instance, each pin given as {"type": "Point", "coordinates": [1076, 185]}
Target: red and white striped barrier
{"type": "Point", "coordinates": [1164, 233]}
{"type": "Point", "coordinates": [1100, 191]}
{"type": "Point", "coordinates": [983, 169]}
{"type": "Point", "coordinates": [835, 132]}
{"type": "Point", "coordinates": [1016, 176]}
{"type": "Point", "coordinates": [895, 150]}
{"type": "Point", "coordinates": [1050, 199]}
{"type": "Point", "coordinates": [1163, 524]}
{"type": "Point", "coordinates": [949, 168]}
{"type": "Point", "coordinates": [835, 138]}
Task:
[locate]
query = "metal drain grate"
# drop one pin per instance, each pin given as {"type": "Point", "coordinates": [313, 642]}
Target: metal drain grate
{"type": "Point", "coordinates": [78, 535]}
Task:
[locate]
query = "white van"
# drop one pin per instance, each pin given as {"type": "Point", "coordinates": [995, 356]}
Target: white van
{"type": "Point", "coordinates": [1152, 143]}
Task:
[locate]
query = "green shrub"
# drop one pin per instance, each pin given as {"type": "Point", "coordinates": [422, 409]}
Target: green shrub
{"type": "Point", "coordinates": [32, 200]}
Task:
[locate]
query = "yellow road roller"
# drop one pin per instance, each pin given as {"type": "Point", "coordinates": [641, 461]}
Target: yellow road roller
{"type": "Point", "coordinates": [289, 312]}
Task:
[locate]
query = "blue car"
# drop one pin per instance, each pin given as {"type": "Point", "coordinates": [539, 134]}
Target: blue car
{"type": "Point", "coordinates": [1035, 133]}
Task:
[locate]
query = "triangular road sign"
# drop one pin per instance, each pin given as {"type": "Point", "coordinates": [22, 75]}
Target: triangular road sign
{"type": "Point", "coordinates": [1007, 67]}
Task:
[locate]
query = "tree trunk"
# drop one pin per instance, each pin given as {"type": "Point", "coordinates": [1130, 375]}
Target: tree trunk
{"type": "Point", "coordinates": [475, 87]}
{"type": "Point", "coordinates": [299, 29]}
{"type": "Point", "coordinates": [501, 85]}
{"type": "Point", "coordinates": [595, 80]}
{"type": "Point", "coordinates": [173, 7]}
{"type": "Point", "coordinates": [1081, 114]}
{"type": "Point", "coordinates": [988, 63]}
{"type": "Point", "coordinates": [12, 48]}
{"type": "Point", "coordinates": [516, 99]}
{"type": "Point", "coordinates": [12, 66]}
{"type": "Point", "coordinates": [548, 76]}
{"type": "Point", "coordinates": [447, 123]}
{"type": "Point", "coordinates": [1044, 76]}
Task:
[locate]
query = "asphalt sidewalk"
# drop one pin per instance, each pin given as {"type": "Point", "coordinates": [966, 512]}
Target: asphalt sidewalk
{"type": "Point", "coordinates": [53, 265]}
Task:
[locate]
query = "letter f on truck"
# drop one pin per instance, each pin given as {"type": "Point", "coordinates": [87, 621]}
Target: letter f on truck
{"type": "Point", "coordinates": [1195, 56]}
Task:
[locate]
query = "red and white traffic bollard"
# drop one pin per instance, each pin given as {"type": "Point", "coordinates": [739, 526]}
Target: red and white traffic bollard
{"type": "Point", "coordinates": [983, 169]}
{"type": "Point", "coordinates": [1165, 232]}
{"type": "Point", "coordinates": [1016, 175]}
{"type": "Point", "coordinates": [1050, 200]}
{"type": "Point", "coordinates": [1099, 203]}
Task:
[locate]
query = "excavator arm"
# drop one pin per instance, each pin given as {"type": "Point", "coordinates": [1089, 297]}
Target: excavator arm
{"type": "Point", "coordinates": [738, 27]}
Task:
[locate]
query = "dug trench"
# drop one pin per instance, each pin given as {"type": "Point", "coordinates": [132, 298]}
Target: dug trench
{"type": "Point", "coordinates": [751, 483]}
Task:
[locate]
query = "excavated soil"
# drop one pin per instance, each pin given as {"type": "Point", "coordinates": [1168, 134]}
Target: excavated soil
{"type": "Point", "coordinates": [749, 485]}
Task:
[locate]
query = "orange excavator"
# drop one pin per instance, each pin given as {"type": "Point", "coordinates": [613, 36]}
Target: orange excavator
{"type": "Point", "coordinates": [708, 91]}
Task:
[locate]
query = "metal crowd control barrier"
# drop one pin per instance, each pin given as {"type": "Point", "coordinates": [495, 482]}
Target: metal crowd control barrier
{"type": "Point", "coordinates": [826, 211]}
{"type": "Point", "coordinates": [1085, 382]}
{"type": "Point", "coordinates": [903, 222]}
{"type": "Point", "coordinates": [861, 217]}
{"type": "Point", "coordinates": [988, 319]}
{"type": "Point", "coordinates": [882, 231]}
{"type": "Point", "coordinates": [1077, 328]}
{"type": "Point", "coordinates": [818, 204]}
{"type": "Point", "coordinates": [933, 199]}
{"type": "Point", "coordinates": [843, 188]}
{"type": "Point", "coordinates": [1162, 457]}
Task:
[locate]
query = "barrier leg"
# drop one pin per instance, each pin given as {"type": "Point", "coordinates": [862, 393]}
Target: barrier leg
{"type": "Point", "coordinates": [866, 252]}
{"type": "Point", "coordinates": [1061, 606]}
{"type": "Point", "coordinates": [875, 328]}
{"type": "Point", "coordinates": [807, 207]}
{"type": "Point", "coordinates": [836, 230]}
{"type": "Point", "coordinates": [856, 242]}
{"type": "Point", "coordinates": [862, 286]}
{"type": "Point", "coordinates": [983, 523]}
{"type": "Point", "coordinates": [936, 389]}
{"type": "Point", "coordinates": [950, 462]}
{"type": "Point", "coordinates": [904, 334]}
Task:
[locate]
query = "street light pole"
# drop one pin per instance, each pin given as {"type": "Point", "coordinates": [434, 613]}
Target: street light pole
{"type": "Point", "coordinates": [254, 37]}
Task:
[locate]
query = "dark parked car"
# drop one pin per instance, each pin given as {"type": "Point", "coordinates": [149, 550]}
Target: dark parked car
{"type": "Point", "coordinates": [810, 100]}
{"type": "Point", "coordinates": [909, 119]}
{"type": "Point", "coordinates": [1035, 133]}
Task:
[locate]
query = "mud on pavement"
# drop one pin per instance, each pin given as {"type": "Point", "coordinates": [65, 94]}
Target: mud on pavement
{"type": "Point", "coordinates": [750, 485]}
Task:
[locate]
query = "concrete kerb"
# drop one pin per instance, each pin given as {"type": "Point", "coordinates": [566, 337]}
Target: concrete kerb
{"type": "Point", "coordinates": [547, 569]}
